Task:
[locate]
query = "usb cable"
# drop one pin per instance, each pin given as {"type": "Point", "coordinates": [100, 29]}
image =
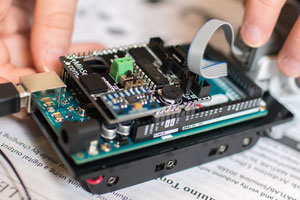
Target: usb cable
{"type": "Point", "coordinates": [10, 101]}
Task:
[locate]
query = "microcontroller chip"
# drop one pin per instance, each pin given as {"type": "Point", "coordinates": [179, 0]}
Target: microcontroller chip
{"type": "Point", "coordinates": [93, 83]}
{"type": "Point", "coordinates": [141, 53]}
{"type": "Point", "coordinates": [132, 99]}
{"type": "Point", "coordinates": [148, 68]}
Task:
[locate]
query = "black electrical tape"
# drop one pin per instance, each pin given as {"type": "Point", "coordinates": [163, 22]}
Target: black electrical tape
{"type": "Point", "coordinates": [9, 99]}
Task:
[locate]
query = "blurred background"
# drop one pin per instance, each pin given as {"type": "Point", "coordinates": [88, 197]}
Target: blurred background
{"type": "Point", "coordinates": [117, 22]}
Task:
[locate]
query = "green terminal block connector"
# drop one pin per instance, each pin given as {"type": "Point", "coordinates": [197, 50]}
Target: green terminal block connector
{"type": "Point", "coordinates": [120, 66]}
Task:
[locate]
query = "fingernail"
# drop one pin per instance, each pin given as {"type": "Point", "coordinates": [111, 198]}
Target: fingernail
{"type": "Point", "coordinates": [51, 59]}
{"type": "Point", "coordinates": [289, 66]}
{"type": "Point", "coordinates": [252, 35]}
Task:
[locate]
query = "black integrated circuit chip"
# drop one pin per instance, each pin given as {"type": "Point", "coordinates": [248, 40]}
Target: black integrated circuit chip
{"type": "Point", "coordinates": [122, 141]}
{"type": "Point", "coordinates": [131, 99]}
{"type": "Point", "coordinates": [141, 53]}
{"type": "Point", "coordinates": [93, 83]}
{"type": "Point", "coordinates": [156, 77]}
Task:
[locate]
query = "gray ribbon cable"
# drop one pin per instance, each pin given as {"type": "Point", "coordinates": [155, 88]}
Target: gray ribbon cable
{"type": "Point", "coordinates": [206, 68]}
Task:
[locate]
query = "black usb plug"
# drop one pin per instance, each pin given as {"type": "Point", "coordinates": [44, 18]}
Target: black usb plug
{"type": "Point", "coordinates": [9, 99]}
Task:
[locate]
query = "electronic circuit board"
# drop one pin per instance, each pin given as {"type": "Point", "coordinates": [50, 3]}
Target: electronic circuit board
{"type": "Point", "coordinates": [122, 116]}
{"type": "Point", "coordinates": [122, 99]}
{"type": "Point", "coordinates": [69, 110]}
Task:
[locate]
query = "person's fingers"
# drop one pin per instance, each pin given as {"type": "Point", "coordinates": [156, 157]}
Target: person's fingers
{"type": "Point", "coordinates": [12, 73]}
{"type": "Point", "coordinates": [19, 50]}
{"type": "Point", "coordinates": [51, 32]}
{"type": "Point", "coordinates": [289, 55]}
{"type": "Point", "coordinates": [7, 70]}
{"type": "Point", "coordinates": [17, 20]}
{"type": "Point", "coordinates": [4, 8]}
{"type": "Point", "coordinates": [4, 54]}
{"type": "Point", "coordinates": [259, 20]}
{"type": "Point", "coordinates": [85, 47]}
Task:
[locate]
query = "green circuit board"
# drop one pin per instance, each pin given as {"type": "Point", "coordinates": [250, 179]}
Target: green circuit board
{"type": "Point", "coordinates": [57, 108]}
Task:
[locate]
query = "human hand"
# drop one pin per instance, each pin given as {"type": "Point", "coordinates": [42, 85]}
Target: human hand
{"type": "Point", "coordinates": [259, 21]}
{"type": "Point", "coordinates": [33, 34]}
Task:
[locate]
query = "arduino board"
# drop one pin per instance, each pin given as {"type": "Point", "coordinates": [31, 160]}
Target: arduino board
{"type": "Point", "coordinates": [127, 102]}
{"type": "Point", "coordinates": [121, 116]}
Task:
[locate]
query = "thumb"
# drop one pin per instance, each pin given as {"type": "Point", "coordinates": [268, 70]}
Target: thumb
{"type": "Point", "coordinates": [51, 32]}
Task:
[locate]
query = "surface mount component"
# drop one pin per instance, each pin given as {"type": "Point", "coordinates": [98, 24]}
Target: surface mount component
{"type": "Point", "coordinates": [93, 83]}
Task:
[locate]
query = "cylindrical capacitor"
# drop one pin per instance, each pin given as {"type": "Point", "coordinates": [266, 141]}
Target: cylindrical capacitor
{"type": "Point", "coordinates": [124, 128]}
{"type": "Point", "coordinates": [108, 131]}
{"type": "Point", "coordinates": [171, 93]}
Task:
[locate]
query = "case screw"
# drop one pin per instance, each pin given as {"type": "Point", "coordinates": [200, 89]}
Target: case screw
{"type": "Point", "coordinates": [246, 141]}
{"type": "Point", "coordinates": [223, 148]}
{"type": "Point", "coordinates": [112, 180]}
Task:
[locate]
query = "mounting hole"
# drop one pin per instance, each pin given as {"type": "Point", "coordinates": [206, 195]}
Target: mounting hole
{"type": "Point", "coordinates": [159, 167]}
{"type": "Point", "coordinates": [113, 180]}
{"type": "Point", "coordinates": [64, 136]}
{"type": "Point", "coordinates": [213, 152]}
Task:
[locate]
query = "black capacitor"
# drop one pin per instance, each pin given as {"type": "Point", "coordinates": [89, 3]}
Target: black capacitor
{"type": "Point", "coordinates": [171, 92]}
